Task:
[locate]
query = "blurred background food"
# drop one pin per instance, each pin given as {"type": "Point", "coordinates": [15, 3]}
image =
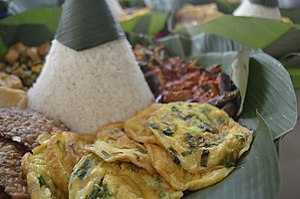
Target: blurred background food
{"type": "Point", "coordinates": [24, 62]}
{"type": "Point", "coordinates": [193, 15]}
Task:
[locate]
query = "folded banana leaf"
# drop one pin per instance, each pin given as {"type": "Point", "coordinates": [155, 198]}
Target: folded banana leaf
{"type": "Point", "coordinates": [275, 37]}
{"type": "Point", "coordinates": [38, 25]}
{"type": "Point", "coordinates": [33, 28]}
{"type": "Point", "coordinates": [149, 24]}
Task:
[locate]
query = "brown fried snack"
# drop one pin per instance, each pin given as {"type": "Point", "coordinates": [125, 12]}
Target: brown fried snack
{"type": "Point", "coordinates": [19, 130]}
{"type": "Point", "coordinates": [12, 181]}
{"type": "Point", "coordinates": [24, 126]}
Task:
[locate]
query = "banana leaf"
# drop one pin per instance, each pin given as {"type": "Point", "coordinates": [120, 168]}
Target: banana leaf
{"type": "Point", "coordinates": [275, 37]}
{"type": "Point", "coordinates": [149, 24]}
{"type": "Point", "coordinates": [37, 26]}
{"type": "Point", "coordinates": [187, 47]}
{"type": "Point", "coordinates": [293, 14]}
{"type": "Point", "coordinates": [132, 3]}
{"type": "Point", "coordinates": [295, 76]}
{"type": "Point", "coordinates": [33, 28]}
{"type": "Point", "coordinates": [19, 6]}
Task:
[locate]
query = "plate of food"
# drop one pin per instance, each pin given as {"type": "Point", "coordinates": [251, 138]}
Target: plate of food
{"type": "Point", "coordinates": [92, 128]}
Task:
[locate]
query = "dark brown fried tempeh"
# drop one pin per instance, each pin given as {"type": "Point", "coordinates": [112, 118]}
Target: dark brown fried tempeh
{"type": "Point", "coordinates": [24, 126]}
{"type": "Point", "coordinates": [12, 181]}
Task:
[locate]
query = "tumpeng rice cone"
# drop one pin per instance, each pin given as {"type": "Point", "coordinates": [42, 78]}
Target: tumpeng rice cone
{"type": "Point", "coordinates": [90, 77]}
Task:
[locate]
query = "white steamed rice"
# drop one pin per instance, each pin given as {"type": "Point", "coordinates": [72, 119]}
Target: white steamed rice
{"type": "Point", "coordinates": [90, 88]}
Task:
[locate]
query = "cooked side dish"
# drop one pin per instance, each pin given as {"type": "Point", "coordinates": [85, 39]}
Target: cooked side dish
{"type": "Point", "coordinates": [190, 146]}
{"type": "Point", "coordinates": [25, 62]}
{"type": "Point", "coordinates": [24, 126]}
{"type": "Point", "coordinates": [12, 181]}
{"type": "Point", "coordinates": [19, 131]}
{"type": "Point", "coordinates": [175, 79]}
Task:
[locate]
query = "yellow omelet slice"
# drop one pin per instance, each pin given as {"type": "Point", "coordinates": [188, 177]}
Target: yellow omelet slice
{"type": "Point", "coordinates": [199, 136]}
{"type": "Point", "coordinates": [137, 127]}
{"type": "Point", "coordinates": [179, 178]}
{"type": "Point", "coordinates": [63, 152]}
{"type": "Point", "coordinates": [86, 178]}
{"type": "Point", "coordinates": [39, 181]}
{"type": "Point", "coordinates": [114, 145]}
{"type": "Point", "coordinates": [93, 178]}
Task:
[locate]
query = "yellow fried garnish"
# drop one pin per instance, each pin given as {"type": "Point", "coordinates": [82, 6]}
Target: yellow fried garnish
{"type": "Point", "coordinates": [150, 186]}
{"type": "Point", "coordinates": [137, 127]}
{"type": "Point", "coordinates": [114, 145]}
{"type": "Point", "coordinates": [86, 177]}
{"type": "Point", "coordinates": [39, 181]}
{"type": "Point", "coordinates": [93, 178]}
{"type": "Point", "coordinates": [199, 136]}
{"type": "Point", "coordinates": [179, 178]}
{"type": "Point", "coordinates": [64, 150]}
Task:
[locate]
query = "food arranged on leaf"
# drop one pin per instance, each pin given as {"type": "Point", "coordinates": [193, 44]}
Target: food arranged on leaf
{"type": "Point", "coordinates": [178, 80]}
{"type": "Point", "coordinates": [191, 15]}
{"type": "Point", "coordinates": [19, 130]}
{"type": "Point", "coordinates": [119, 143]}
{"type": "Point", "coordinates": [194, 146]}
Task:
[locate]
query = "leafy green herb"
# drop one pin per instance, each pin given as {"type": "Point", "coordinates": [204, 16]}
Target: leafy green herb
{"type": "Point", "coordinates": [228, 163]}
{"type": "Point", "coordinates": [175, 109]}
{"type": "Point", "coordinates": [207, 127]}
{"type": "Point", "coordinates": [204, 157]}
{"type": "Point", "coordinates": [221, 138]}
{"type": "Point", "coordinates": [42, 181]}
{"type": "Point", "coordinates": [204, 110]}
{"type": "Point", "coordinates": [158, 178]}
{"type": "Point", "coordinates": [240, 137]}
{"type": "Point", "coordinates": [174, 153]}
{"type": "Point", "coordinates": [134, 168]}
{"type": "Point", "coordinates": [191, 140]}
{"type": "Point", "coordinates": [189, 116]}
{"type": "Point", "coordinates": [162, 194]}
{"type": "Point", "coordinates": [154, 125]}
{"type": "Point", "coordinates": [185, 153]}
{"type": "Point", "coordinates": [106, 155]}
{"type": "Point", "coordinates": [82, 171]}
{"type": "Point", "coordinates": [142, 150]}
{"type": "Point", "coordinates": [220, 121]}
{"type": "Point", "coordinates": [168, 132]}
{"type": "Point", "coordinates": [98, 192]}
